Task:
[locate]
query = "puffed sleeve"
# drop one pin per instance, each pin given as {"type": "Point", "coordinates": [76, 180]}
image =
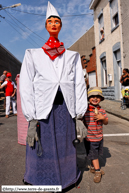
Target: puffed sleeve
{"type": "Point", "coordinates": [80, 87]}
{"type": "Point", "coordinates": [27, 75]}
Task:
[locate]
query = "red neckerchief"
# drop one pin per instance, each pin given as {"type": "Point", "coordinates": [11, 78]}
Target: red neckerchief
{"type": "Point", "coordinates": [91, 107]}
{"type": "Point", "coordinates": [53, 48]}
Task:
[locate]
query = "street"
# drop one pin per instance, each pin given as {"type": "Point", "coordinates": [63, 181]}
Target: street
{"type": "Point", "coordinates": [115, 159]}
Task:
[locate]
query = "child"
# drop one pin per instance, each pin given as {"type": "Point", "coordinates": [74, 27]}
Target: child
{"type": "Point", "coordinates": [94, 119]}
{"type": "Point", "coordinates": [10, 90]}
{"type": "Point", "coordinates": [126, 94]}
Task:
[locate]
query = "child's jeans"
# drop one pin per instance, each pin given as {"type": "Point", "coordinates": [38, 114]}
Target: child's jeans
{"type": "Point", "coordinates": [93, 149]}
{"type": "Point", "coordinates": [8, 100]}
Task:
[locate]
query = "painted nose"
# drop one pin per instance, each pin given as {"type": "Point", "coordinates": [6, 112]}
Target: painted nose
{"type": "Point", "coordinates": [53, 24]}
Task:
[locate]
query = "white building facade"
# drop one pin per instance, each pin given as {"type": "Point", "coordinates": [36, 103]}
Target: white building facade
{"type": "Point", "coordinates": [109, 46]}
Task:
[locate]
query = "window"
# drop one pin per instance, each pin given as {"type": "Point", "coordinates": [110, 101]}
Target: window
{"type": "Point", "coordinates": [104, 71]}
{"type": "Point", "coordinates": [101, 27]}
{"type": "Point", "coordinates": [114, 14]}
{"type": "Point", "coordinates": [117, 55]}
{"type": "Point", "coordinates": [118, 60]}
{"type": "Point", "coordinates": [117, 69]}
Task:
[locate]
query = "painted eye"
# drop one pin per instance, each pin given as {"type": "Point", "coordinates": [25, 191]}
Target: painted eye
{"type": "Point", "coordinates": [57, 22]}
{"type": "Point", "coordinates": [49, 22]}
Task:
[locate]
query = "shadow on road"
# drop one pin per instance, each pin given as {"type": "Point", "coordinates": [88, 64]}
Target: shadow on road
{"type": "Point", "coordinates": [103, 158]}
{"type": "Point", "coordinates": [2, 111]}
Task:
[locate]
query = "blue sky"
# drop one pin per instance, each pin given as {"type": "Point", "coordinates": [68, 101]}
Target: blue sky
{"type": "Point", "coordinates": [17, 38]}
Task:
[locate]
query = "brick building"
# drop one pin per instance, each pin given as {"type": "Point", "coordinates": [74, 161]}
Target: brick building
{"type": "Point", "coordinates": [9, 62]}
{"type": "Point", "coordinates": [85, 46]}
{"type": "Point", "coordinates": [91, 68]}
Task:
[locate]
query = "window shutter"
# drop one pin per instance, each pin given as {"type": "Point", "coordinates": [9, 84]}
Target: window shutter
{"type": "Point", "coordinates": [114, 7]}
{"type": "Point", "coordinates": [104, 64]}
{"type": "Point", "coordinates": [101, 22]}
{"type": "Point", "coordinates": [118, 55]}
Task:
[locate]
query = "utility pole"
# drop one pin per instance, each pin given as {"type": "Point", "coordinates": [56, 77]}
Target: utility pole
{"type": "Point", "coordinates": [12, 6]}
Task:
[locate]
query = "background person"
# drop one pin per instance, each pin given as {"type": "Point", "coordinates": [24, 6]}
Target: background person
{"type": "Point", "coordinates": [3, 76]}
{"type": "Point", "coordinates": [2, 79]}
{"type": "Point", "coordinates": [86, 77]}
{"type": "Point", "coordinates": [10, 90]}
{"type": "Point", "coordinates": [124, 80]}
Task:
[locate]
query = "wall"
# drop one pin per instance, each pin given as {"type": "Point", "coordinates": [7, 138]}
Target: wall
{"type": "Point", "coordinates": [91, 64]}
{"type": "Point", "coordinates": [84, 44]}
{"type": "Point", "coordinates": [9, 62]}
{"type": "Point", "coordinates": [125, 30]}
{"type": "Point", "coordinates": [111, 38]}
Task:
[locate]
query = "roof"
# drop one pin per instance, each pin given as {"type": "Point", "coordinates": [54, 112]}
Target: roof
{"type": "Point", "coordinates": [81, 37]}
{"type": "Point", "coordinates": [93, 3]}
{"type": "Point", "coordinates": [9, 52]}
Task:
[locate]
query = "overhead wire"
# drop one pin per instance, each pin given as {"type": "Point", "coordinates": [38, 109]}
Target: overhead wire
{"type": "Point", "coordinates": [22, 30]}
{"type": "Point", "coordinates": [35, 14]}
{"type": "Point", "coordinates": [18, 31]}
{"type": "Point", "coordinates": [45, 15]}
{"type": "Point", "coordinates": [39, 15]}
{"type": "Point", "coordinates": [62, 16]}
{"type": "Point", "coordinates": [26, 26]}
{"type": "Point", "coordinates": [25, 32]}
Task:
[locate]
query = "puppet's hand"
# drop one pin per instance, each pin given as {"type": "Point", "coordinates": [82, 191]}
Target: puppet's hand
{"type": "Point", "coordinates": [81, 129]}
{"type": "Point", "coordinates": [32, 133]}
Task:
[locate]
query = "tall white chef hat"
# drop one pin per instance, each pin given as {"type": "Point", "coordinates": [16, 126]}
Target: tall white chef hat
{"type": "Point", "coordinates": [51, 11]}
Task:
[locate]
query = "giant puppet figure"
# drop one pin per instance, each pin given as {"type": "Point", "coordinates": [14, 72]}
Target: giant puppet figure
{"type": "Point", "coordinates": [53, 91]}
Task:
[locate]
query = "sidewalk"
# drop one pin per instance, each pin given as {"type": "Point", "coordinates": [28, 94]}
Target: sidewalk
{"type": "Point", "coordinates": [114, 107]}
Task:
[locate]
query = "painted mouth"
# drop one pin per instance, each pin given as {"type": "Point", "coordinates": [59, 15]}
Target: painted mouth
{"type": "Point", "coordinates": [53, 28]}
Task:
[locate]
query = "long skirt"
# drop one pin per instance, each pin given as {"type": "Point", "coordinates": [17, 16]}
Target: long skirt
{"type": "Point", "coordinates": [58, 163]}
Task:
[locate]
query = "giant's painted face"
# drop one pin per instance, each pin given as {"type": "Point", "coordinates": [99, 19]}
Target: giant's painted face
{"type": "Point", "coordinates": [53, 26]}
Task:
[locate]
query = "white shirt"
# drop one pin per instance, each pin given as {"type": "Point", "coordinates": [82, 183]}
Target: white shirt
{"type": "Point", "coordinates": [39, 82]}
{"type": "Point", "coordinates": [5, 82]}
{"type": "Point", "coordinates": [57, 66]}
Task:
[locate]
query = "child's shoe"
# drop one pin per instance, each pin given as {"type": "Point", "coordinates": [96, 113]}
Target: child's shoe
{"type": "Point", "coordinates": [92, 169]}
{"type": "Point", "coordinates": [6, 116]}
{"type": "Point", "coordinates": [97, 177]}
{"type": "Point", "coordinates": [102, 172]}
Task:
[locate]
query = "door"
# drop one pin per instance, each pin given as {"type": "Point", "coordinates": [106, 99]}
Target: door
{"type": "Point", "coordinates": [118, 71]}
{"type": "Point", "coordinates": [92, 79]}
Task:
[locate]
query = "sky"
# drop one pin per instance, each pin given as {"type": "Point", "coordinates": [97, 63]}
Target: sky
{"type": "Point", "coordinates": [24, 27]}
